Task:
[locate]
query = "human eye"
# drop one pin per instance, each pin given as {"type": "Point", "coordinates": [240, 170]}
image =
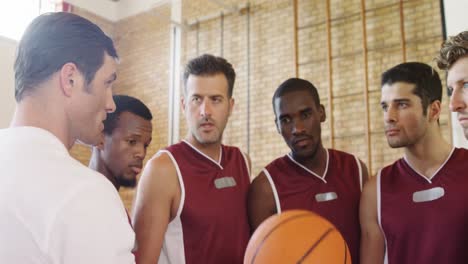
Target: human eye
{"type": "Point", "coordinates": [306, 114]}
{"type": "Point", "coordinates": [196, 99]}
{"type": "Point", "coordinates": [449, 90]}
{"type": "Point", "coordinates": [110, 82]}
{"type": "Point", "coordinates": [217, 99]}
{"type": "Point", "coordinates": [285, 120]}
{"type": "Point", "coordinates": [384, 107]}
{"type": "Point", "coordinates": [403, 105]}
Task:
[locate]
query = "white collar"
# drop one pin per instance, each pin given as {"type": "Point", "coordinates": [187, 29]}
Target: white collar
{"type": "Point", "coordinates": [322, 178]}
{"type": "Point", "coordinates": [218, 163]}
{"type": "Point", "coordinates": [435, 173]}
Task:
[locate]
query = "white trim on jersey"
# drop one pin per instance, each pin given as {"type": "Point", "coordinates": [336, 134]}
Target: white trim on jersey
{"type": "Point", "coordinates": [275, 192]}
{"type": "Point", "coordinates": [379, 214]}
{"type": "Point", "coordinates": [173, 250]}
{"type": "Point", "coordinates": [181, 182]}
{"type": "Point", "coordinates": [360, 170]}
{"type": "Point", "coordinates": [246, 162]}
{"type": "Point", "coordinates": [435, 173]}
{"type": "Point", "coordinates": [218, 163]}
{"type": "Point", "coordinates": [322, 178]}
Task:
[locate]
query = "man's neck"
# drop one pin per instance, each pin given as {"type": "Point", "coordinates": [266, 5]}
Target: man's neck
{"type": "Point", "coordinates": [429, 154]}
{"type": "Point", "coordinates": [35, 112]}
{"type": "Point", "coordinates": [316, 163]}
{"type": "Point", "coordinates": [97, 164]}
{"type": "Point", "coordinates": [212, 150]}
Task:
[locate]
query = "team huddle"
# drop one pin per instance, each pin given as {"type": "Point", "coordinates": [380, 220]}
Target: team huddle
{"type": "Point", "coordinates": [195, 201]}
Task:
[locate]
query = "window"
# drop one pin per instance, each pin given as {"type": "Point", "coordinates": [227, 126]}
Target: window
{"type": "Point", "coordinates": [15, 15]}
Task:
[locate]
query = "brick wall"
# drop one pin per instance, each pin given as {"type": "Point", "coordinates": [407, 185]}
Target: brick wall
{"type": "Point", "coordinates": [143, 42]}
{"type": "Point", "coordinates": [272, 61]}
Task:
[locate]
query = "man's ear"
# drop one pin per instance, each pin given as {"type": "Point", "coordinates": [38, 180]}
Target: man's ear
{"type": "Point", "coordinates": [434, 110]}
{"type": "Point", "coordinates": [323, 113]}
{"type": "Point", "coordinates": [231, 105]}
{"type": "Point", "coordinates": [182, 104]}
{"type": "Point", "coordinates": [69, 78]}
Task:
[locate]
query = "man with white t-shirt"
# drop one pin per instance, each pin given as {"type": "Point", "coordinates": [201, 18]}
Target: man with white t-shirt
{"type": "Point", "coordinates": [54, 209]}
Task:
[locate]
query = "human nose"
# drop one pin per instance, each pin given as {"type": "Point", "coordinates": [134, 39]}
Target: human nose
{"type": "Point", "coordinates": [140, 152]}
{"type": "Point", "coordinates": [298, 126]}
{"type": "Point", "coordinates": [205, 109]}
{"type": "Point", "coordinates": [110, 104]}
{"type": "Point", "coordinates": [457, 102]}
{"type": "Point", "coordinates": [390, 116]}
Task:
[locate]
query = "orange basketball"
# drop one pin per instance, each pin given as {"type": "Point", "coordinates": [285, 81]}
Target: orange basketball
{"type": "Point", "coordinates": [297, 236]}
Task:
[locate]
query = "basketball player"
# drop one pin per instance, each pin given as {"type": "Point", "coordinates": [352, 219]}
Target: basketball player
{"type": "Point", "coordinates": [127, 135]}
{"type": "Point", "coordinates": [54, 209]}
{"type": "Point", "coordinates": [413, 210]}
{"type": "Point", "coordinates": [192, 197]}
{"type": "Point", "coordinates": [311, 177]}
{"type": "Point", "coordinates": [454, 59]}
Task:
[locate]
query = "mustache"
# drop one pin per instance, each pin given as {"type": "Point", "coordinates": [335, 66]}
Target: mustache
{"type": "Point", "coordinates": [138, 164]}
{"type": "Point", "coordinates": [299, 138]}
{"type": "Point", "coordinates": [205, 120]}
{"type": "Point", "coordinates": [390, 128]}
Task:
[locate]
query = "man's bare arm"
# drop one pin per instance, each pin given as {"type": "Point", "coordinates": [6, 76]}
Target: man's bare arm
{"type": "Point", "coordinates": [261, 201]}
{"type": "Point", "coordinates": [157, 192]}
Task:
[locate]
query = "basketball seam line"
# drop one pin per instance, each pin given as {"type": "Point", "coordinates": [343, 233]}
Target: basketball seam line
{"type": "Point", "coordinates": [273, 229]}
{"type": "Point", "coordinates": [315, 245]}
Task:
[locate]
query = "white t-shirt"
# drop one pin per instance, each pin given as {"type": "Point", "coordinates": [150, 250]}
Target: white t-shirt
{"type": "Point", "coordinates": [55, 210]}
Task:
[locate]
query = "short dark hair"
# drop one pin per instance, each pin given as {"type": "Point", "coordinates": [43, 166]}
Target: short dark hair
{"type": "Point", "coordinates": [293, 85]}
{"type": "Point", "coordinates": [125, 103]}
{"type": "Point", "coordinates": [54, 39]}
{"type": "Point", "coordinates": [208, 65]}
{"type": "Point", "coordinates": [452, 49]}
{"type": "Point", "coordinates": [426, 80]}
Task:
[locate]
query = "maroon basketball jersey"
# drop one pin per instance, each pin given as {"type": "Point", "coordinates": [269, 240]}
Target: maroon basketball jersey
{"type": "Point", "coordinates": [425, 220]}
{"type": "Point", "coordinates": [334, 196]}
{"type": "Point", "coordinates": [211, 226]}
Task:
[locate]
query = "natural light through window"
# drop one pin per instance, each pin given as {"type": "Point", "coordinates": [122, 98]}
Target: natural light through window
{"type": "Point", "coordinates": [17, 14]}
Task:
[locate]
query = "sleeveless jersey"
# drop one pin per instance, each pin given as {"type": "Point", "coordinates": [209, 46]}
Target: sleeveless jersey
{"type": "Point", "coordinates": [425, 220]}
{"type": "Point", "coordinates": [211, 225]}
{"type": "Point", "coordinates": [134, 250]}
{"type": "Point", "coordinates": [335, 196]}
